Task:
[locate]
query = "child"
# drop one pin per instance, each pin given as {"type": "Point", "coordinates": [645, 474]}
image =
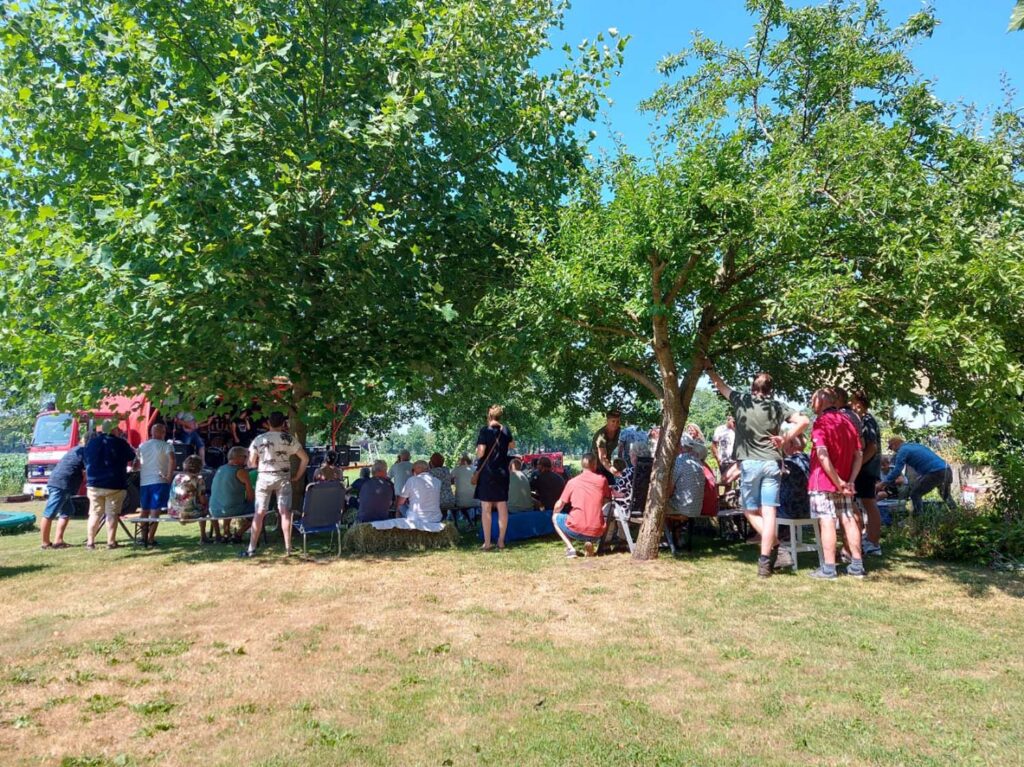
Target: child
{"type": "Point", "coordinates": [188, 496]}
{"type": "Point", "coordinates": [328, 471]}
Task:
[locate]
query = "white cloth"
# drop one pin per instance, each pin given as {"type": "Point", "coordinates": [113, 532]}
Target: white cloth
{"type": "Point", "coordinates": [154, 462]}
{"type": "Point", "coordinates": [274, 449]}
{"type": "Point", "coordinates": [399, 473]}
{"type": "Point", "coordinates": [724, 439]}
{"type": "Point", "coordinates": [408, 524]}
{"type": "Point", "coordinates": [424, 494]}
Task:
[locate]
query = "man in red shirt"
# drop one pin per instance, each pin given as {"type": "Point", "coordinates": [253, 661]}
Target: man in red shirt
{"type": "Point", "coordinates": [835, 461]}
{"type": "Point", "coordinates": [585, 495]}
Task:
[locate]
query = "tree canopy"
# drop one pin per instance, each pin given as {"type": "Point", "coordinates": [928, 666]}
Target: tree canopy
{"type": "Point", "coordinates": [810, 209]}
{"type": "Point", "coordinates": [198, 196]}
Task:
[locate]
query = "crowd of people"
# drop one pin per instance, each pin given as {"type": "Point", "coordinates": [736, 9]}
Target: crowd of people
{"type": "Point", "coordinates": [761, 451]}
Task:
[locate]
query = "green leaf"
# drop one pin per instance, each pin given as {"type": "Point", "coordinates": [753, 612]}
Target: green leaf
{"type": "Point", "coordinates": [315, 165]}
{"type": "Point", "coordinates": [24, 94]}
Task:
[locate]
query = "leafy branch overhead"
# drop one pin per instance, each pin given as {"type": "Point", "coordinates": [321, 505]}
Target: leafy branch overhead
{"type": "Point", "coordinates": [809, 209]}
{"type": "Point", "coordinates": [199, 195]}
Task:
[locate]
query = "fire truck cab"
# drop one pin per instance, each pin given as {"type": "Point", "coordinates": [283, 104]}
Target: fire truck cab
{"type": "Point", "coordinates": [56, 433]}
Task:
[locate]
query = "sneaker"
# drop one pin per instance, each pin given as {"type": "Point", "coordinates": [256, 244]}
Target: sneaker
{"type": "Point", "coordinates": [588, 549]}
{"type": "Point", "coordinates": [869, 548]}
{"type": "Point", "coordinates": [764, 569]}
{"type": "Point", "coordinates": [856, 572]}
{"type": "Point", "coordinates": [570, 553]}
{"type": "Point", "coordinates": [245, 554]}
{"type": "Point", "coordinates": [821, 575]}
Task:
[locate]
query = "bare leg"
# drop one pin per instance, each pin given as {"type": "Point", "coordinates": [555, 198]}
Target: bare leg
{"type": "Point", "coordinates": [62, 525]}
{"type": "Point", "coordinates": [755, 520]}
{"type": "Point", "coordinates": [44, 529]}
{"type": "Point", "coordinates": [874, 526]}
{"type": "Point", "coordinates": [485, 516]}
{"type": "Point", "coordinates": [95, 520]}
{"type": "Point", "coordinates": [768, 531]}
{"type": "Point", "coordinates": [827, 525]}
{"type": "Point", "coordinates": [286, 528]}
{"type": "Point", "coordinates": [562, 535]}
{"type": "Point", "coordinates": [851, 532]}
{"type": "Point", "coordinates": [256, 530]}
{"type": "Point", "coordinates": [155, 513]}
{"type": "Point", "coordinates": [502, 522]}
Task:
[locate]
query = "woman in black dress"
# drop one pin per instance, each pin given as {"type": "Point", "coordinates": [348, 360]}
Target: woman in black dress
{"type": "Point", "coordinates": [492, 446]}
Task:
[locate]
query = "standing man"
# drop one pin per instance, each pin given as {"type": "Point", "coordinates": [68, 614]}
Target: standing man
{"type": "Point", "coordinates": [400, 471]}
{"type": "Point", "coordinates": [722, 442]}
{"type": "Point", "coordinates": [605, 443]}
{"type": "Point", "coordinates": [585, 495]}
{"type": "Point", "coordinates": [156, 466]}
{"type": "Point", "coordinates": [759, 449]}
{"type": "Point", "coordinates": [835, 460]}
{"type": "Point", "coordinates": [61, 485]}
{"type": "Point", "coordinates": [932, 472]}
{"type": "Point", "coordinates": [271, 454]}
{"type": "Point", "coordinates": [870, 472]}
{"type": "Point", "coordinates": [107, 457]}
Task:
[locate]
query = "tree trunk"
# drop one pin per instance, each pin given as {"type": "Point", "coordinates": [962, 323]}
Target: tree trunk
{"type": "Point", "coordinates": [675, 408]}
{"type": "Point", "coordinates": [672, 423]}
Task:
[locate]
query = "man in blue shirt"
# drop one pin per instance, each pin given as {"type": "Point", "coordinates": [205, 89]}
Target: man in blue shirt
{"type": "Point", "coordinates": [932, 471]}
{"type": "Point", "coordinates": [107, 457]}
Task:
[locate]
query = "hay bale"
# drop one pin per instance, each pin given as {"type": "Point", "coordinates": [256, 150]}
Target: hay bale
{"type": "Point", "coordinates": [366, 539]}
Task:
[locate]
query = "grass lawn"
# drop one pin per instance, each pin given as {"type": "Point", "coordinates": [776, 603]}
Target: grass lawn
{"type": "Point", "coordinates": [188, 656]}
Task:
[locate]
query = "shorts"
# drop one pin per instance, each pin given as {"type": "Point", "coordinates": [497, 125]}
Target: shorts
{"type": "Point", "coordinates": [58, 503]}
{"type": "Point", "coordinates": [831, 505]}
{"type": "Point", "coordinates": [759, 484]}
{"type": "Point", "coordinates": [154, 497]}
{"type": "Point", "coordinates": [269, 484]}
{"type": "Point", "coordinates": [864, 485]}
{"type": "Point", "coordinates": [562, 523]}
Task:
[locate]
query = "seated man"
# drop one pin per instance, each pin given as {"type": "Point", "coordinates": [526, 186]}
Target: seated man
{"type": "Point", "coordinates": [231, 493]}
{"type": "Point", "coordinates": [547, 485]}
{"type": "Point", "coordinates": [422, 492]}
{"type": "Point", "coordinates": [686, 496]}
{"type": "Point", "coordinates": [376, 495]}
{"type": "Point", "coordinates": [586, 496]}
{"type": "Point", "coordinates": [519, 496]}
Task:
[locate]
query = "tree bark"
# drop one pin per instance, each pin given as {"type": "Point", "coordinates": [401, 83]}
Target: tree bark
{"type": "Point", "coordinates": [675, 408]}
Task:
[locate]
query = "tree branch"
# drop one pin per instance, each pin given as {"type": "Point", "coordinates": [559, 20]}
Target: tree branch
{"type": "Point", "coordinates": [682, 279]}
{"type": "Point", "coordinates": [607, 329]}
{"type": "Point", "coordinates": [645, 380]}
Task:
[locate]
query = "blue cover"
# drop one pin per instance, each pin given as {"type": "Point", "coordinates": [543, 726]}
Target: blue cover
{"type": "Point", "coordinates": [16, 520]}
{"type": "Point", "coordinates": [522, 525]}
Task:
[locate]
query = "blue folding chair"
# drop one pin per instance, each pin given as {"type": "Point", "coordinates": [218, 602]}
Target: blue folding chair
{"type": "Point", "coordinates": [321, 511]}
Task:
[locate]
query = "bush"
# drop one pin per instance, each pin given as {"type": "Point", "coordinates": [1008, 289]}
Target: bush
{"type": "Point", "coordinates": [12, 473]}
{"type": "Point", "coordinates": [983, 537]}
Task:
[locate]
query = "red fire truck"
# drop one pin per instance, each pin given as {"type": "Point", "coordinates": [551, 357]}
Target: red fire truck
{"type": "Point", "coordinates": [56, 433]}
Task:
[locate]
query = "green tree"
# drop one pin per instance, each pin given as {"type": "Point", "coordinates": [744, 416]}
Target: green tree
{"type": "Point", "coordinates": [199, 196]}
{"type": "Point", "coordinates": [1017, 17]}
{"type": "Point", "coordinates": [797, 215]}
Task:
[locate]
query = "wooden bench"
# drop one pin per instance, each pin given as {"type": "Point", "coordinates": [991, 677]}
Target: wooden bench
{"type": "Point", "coordinates": [138, 519]}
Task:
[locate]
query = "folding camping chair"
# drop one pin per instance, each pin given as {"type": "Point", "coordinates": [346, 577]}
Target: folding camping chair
{"type": "Point", "coordinates": [631, 507]}
{"type": "Point", "coordinates": [321, 511]}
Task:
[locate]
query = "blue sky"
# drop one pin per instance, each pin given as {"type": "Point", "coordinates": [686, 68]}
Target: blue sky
{"type": "Point", "coordinates": [965, 58]}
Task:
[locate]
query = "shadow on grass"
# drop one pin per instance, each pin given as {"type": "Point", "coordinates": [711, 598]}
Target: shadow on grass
{"type": "Point", "coordinates": [11, 572]}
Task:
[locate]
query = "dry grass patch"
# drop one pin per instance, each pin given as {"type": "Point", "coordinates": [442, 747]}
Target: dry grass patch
{"type": "Point", "coordinates": [178, 656]}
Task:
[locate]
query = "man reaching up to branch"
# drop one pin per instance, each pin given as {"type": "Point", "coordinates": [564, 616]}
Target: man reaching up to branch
{"type": "Point", "coordinates": [759, 449]}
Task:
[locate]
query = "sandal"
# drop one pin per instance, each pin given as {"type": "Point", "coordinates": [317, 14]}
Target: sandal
{"type": "Point", "coordinates": [111, 546]}
{"type": "Point", "coordinates": [90, 546]}
{"type": "Point", "coordinates": [246, 554]}
{"type": "Point", "coordinates": [46, 546]}
{"type": "Point", "coordinates": [487, 547]}
{"type": "Point", "coordinates": [61, 545]}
